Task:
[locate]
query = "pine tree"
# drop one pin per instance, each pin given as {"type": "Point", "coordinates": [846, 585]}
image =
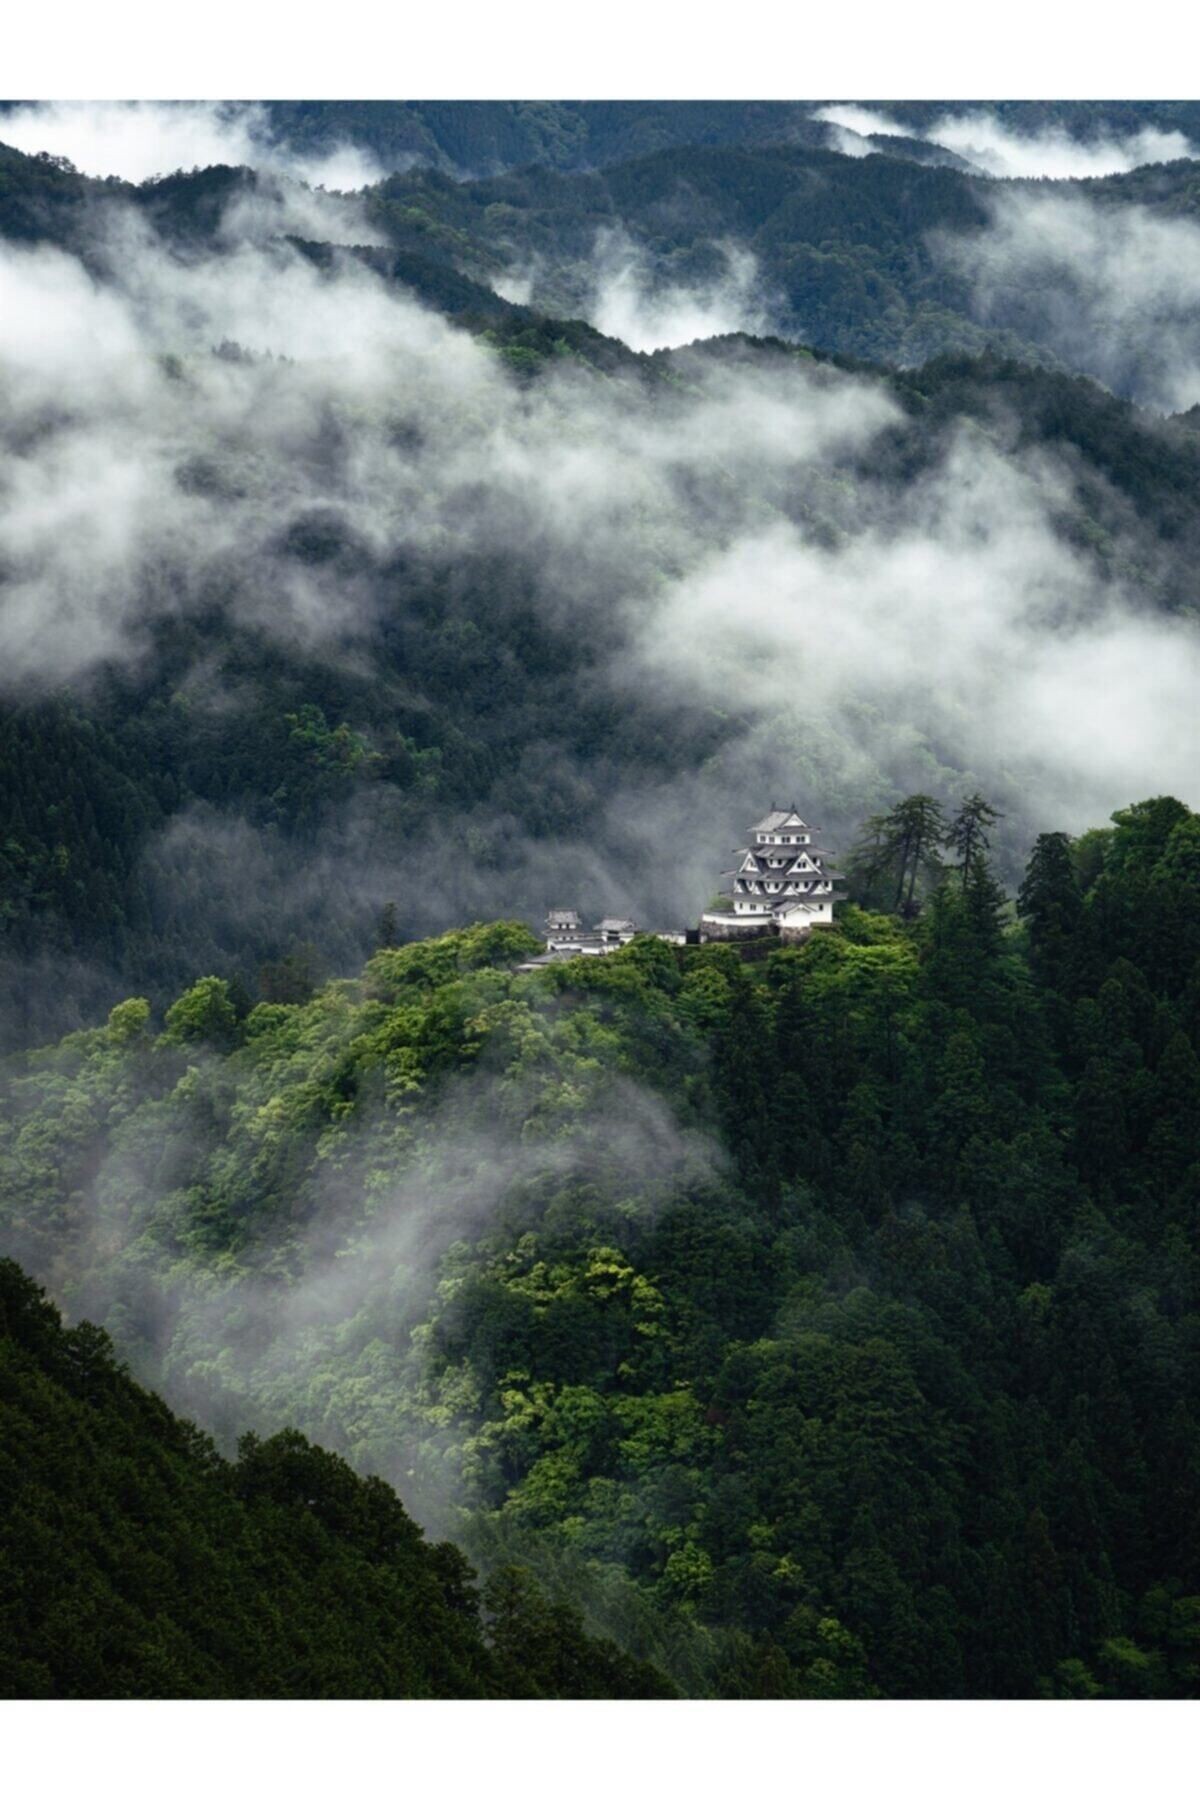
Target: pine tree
{"type": "Point", "coordinates": [899, 853]}
{"type": "Point", "coordinates": [1050, 903]}
{"type": "Point", "coordinates": [968, 836]}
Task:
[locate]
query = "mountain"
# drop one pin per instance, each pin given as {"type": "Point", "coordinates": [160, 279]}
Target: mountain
{"type": "Point", "coordinates": [486, 137]}
{"type": "Point", "coordinates": [824, 1324]}
{"type": "Point", "coordinates": [464, 709]}
{"type": "Point", "coordinates": [876, 257]}
{"type": "Point", "coordinates": [441, 689]}
{"type": "Point", "coordinates": [470, 138]}
{"type": "Point", "coordinates": [814, 1322]}
{"type": "Point", "coordinates": [139, 1564]}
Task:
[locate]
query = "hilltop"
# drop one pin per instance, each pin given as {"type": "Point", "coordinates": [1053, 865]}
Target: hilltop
{"type": "Point", "coordinates": [824, 1326]}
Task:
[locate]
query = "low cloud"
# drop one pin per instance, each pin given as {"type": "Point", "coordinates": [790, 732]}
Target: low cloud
{"type": "Point", "coordinates": [139, 139]}
{"type": "Point", "coordinates": [308, 449]}
{"type": "Point", "coordinates": [338, 1286]}
{"type": "Point", "coordinates": [158, 470]}
{"type": "Point", "coordinates": [1112, 289]}
{"type": "Point", "coordinates": [649, 302]}
{"type": "Point", "coordinates": [648, 311]}
{"type": "Point", "coordinates": [968, 619]}
{"type": "Point", "coordinates": [997, 148]}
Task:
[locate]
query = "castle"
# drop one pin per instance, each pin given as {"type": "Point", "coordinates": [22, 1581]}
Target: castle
{"type": "Point", "coordinates": [781, 884]}
{"type": "Point", "coordinates": [782, 887]}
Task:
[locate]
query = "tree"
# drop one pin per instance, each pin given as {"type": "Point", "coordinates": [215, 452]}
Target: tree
{"type": "Point", "coordinates": [293, 979]}
{"type": "Point", "coordinates": [1051, 904]}
{"type": "Point", "coordinates": [205, 1015]}
{"type": "Point", "coordinates": [387, 935]}
{"type": "Point", "coordinates": [899, 853]}
{"type": "Point", "coordinates": [742, 1066]}
{"type": "Point", "coordinates": [968, 835]}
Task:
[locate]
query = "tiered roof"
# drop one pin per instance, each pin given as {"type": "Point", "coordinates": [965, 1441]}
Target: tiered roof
{"type": "Point", "coordinates": [802, 867]}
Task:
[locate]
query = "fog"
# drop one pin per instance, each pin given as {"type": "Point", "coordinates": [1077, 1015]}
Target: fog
{"type": "Point", "coordinates": [1113, 289]}
{"type": "Point", "coordinates": [650, 313]}
{"type": "Point", "coordinates": [967, 621]}
{"type": "Point", "coordinates": [318, 1321]}
{"type": "Point", "coordinates": [138, 139]}
{"type": "Point", "coordinates": [996, 148]}
{"type": "Point", "coordinates": [720, 540]}
{"type": "Point", "coordinates": [628, 292]}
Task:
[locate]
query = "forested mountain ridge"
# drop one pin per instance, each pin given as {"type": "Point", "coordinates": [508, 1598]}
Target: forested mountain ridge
{"type": "Point", "coordinates": [825, 1325]}
{"type": "Point", "coordinates": [876, 257]}
{"type": "Point", "coordinates": [869, 256]}
{"type": "Point", "coordinates": [500, 534]}
{"type": "Point", "coordinates": [138, 1564]}
{"type": "Point", "coordinates": [453, 687]}
{"type": "Point", "coordinates": [476, 138]}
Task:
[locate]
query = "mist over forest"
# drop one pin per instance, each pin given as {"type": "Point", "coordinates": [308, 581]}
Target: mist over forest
{"type": "Point", "coordinates": [416, 516]}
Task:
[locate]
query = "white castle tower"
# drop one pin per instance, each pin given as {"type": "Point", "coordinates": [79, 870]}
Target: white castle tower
{"type": "Point", "coordinates": [781, 883]}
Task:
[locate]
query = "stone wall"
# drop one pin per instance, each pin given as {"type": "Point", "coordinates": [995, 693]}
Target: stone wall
{"type": "Point", "coordinates": [798, 934]}
{"type": "Point", "coordinates": [712, 932]}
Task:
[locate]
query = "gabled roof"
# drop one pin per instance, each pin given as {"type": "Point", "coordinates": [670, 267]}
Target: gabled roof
{"type": "Point", "coordinates": [781, 820]}
{"type": "Point", "coordinates": [616, 925]}
{"type": "Point", "coordinates": [805, 859]}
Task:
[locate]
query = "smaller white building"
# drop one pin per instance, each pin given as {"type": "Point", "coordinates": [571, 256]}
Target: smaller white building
{"type": "Point", "coordinates": [566, 935]}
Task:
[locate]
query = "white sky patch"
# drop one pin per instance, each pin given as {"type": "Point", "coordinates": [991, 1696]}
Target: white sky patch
{"type": "Point", "coordinates": [142, 138]}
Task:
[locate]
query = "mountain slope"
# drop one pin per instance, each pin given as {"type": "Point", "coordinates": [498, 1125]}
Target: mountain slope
{"type": "Point", "coordinates": [824, 1324]}
{"type": "Point", "coordinates": [138, 1564]}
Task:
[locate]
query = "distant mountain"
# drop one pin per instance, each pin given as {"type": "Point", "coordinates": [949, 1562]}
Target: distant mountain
{"type": "Point", "coordinates": [875, 256]}
{"type": "Point", "coordinates": [475, 702]}
{"type": "Point", "coordinates": [488, 137]}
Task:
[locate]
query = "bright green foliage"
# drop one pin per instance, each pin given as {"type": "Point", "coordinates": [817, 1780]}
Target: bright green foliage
{"type": "Point", "coordinates": [204, 1015]}
{"type": "Point", "coordinates": [824, 1325]}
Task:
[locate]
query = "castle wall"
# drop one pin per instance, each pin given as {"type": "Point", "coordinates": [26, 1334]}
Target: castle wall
{"type": "Point", "coordinates": [796, 934]}
{"type": "Point", "coordinates": [718, 931]}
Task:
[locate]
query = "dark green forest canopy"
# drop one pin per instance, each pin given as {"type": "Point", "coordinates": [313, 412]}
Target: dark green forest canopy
{"type": "Point", "coordinates": [468, 701]}
{"type": "Point", "coordinates": [136, 1563]}
{"type": "Point", "coordinates": [472, 138]}
{"type": "Point", "coordinates": [822, 1323]}
{"type": "Point", "coordinates": [825, 1324]}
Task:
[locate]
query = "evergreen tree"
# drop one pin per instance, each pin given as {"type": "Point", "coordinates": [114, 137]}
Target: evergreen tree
{"type": "Point", "coordinates": [1051, 904]}
{"type": "Point", "coordinates": [897, 857]}
{"type": "Point", "coordinates": [387, 934]}
{"type": "Point", "coordinates": [968, 836]}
